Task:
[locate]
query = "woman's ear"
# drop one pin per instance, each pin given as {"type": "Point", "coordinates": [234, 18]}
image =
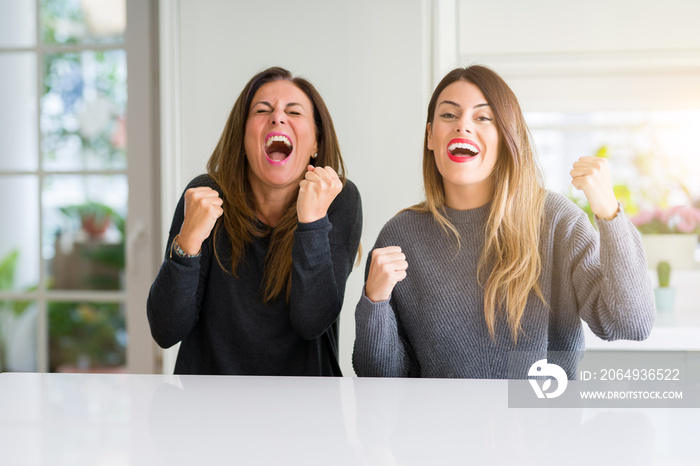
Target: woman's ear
{"type": "Point", "coordinates": [430, 136]}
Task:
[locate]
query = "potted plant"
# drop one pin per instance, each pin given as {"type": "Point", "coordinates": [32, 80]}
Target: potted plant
{"type": "Point", "coordinates": [98, 261]}
{"type": "Point", "coordinates": [664, 294]}
{"type": "Point", "coordinates": [94, 217]}
{"type": "Point", "coordinates": [669, 235]}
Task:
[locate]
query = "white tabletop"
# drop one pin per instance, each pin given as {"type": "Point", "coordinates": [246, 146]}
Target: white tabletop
{"type": "Point", "coordinates": [70, 419]}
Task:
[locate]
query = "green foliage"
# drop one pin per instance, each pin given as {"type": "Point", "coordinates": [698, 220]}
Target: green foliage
{"type": "Point", "coordinates": [94, 210]}
{"type": "Point", "coordinates": [97, 214]}
{"type": "Point", "coordinates": [663, 269]}
{"type": "Point", "coordinates": [52, 12]}
{"type": "Point", "coordinates": [95, 331]}
{"type": "Point", "coordinates": [602, 152]}
{"type": "Point", "coordinates": [8, 266]}
{"type": "Point", "coordinates": [67, 76]}
{"type": "Point", "coordinates": [7, 270]}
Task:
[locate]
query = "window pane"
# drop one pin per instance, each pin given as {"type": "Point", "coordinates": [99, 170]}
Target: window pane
{"type": "Point", "coordinates": [19, 237]}
{"type": "Point", "coordinates": [18, 132]}
{"type": "Point", "coordinates": [18, 336]}
{"type": "Point", "coordinates": [83, 237]}
{"type": "Point", "coordinates": [83, 21]}
{"type": "Point", "coordinates": [86, 337]}
{"type": "Point", "coordinates": [83, 111]}
{"type": "Point", "coordinates": [654, 156]}
{"type": "Point", "coordinates": [17, 23]}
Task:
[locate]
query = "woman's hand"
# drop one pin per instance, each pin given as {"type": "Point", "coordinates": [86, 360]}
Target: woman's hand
{"type": "Point", "coordinates": [316, 192]}
{"type": "Point", "coordinates": [591, 175]}
{"type": "Point", "coordinates": [388, 267]}
{"type": "Point", "coordinates": [202, 209]}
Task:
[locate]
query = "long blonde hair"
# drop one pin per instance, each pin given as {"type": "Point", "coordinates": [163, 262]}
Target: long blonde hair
{"type": "Point", "coordinates": [510, 264]}
{"type": "Point", "coordinates": [228, 166]}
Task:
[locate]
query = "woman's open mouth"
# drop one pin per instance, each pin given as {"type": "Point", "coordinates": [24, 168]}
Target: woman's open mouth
{"type": "Point", "coordinates": [278, 148]}
{"type": "Point", "coordinates": [462, 150]}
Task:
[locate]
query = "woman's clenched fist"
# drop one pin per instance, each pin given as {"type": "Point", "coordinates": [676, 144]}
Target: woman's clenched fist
{"type": "Point", "coordinates": [316, 192]}
{"type": "Point", "coordinates": [591, 175]}
{"type": "Point", "coordinates": [202, 209]}
{"type": "Point", "coordinates": [387, 268]}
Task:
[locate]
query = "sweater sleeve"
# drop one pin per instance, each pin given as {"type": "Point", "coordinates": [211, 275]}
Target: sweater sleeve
{"type": "Point", "coordinates": [610, 279]}
{"type": "Point", "coordinates": [379, 348]}
{"type": "Point", "coordinates": [323, 253]}
{"type": "Point", "coordinates": [175, 296]}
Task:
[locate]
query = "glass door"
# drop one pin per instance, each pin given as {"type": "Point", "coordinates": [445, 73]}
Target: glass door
{"type": "Point", "coordinates": [65, 185]}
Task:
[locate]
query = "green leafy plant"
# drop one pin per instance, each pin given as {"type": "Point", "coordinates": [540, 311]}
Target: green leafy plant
{"type": "Point", "coordinates": [663, 270]}
{"type": "Point", "coordinates": [95, 217]}
{"type": "Point", "coordinates": [91, 334]}
{"type": "Point", "coordinates": [9, 310]}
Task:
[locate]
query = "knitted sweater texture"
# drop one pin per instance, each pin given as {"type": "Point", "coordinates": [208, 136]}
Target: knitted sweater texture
{"type": "Point", "coordinates": [221, 320]}
{"type": "Point", "coordinates": [433, 325]}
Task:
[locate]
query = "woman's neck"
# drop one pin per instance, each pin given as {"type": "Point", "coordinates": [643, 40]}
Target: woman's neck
{"type": "Point", "coordinates": [270, 203]}
{"type": "Point", "coordinates": [470, 196]}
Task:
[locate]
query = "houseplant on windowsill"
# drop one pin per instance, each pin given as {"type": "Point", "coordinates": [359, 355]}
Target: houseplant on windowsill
{"type": "Point", "coordinates": [669, 235]}
{"type": "Point", "coordinates": [94, 217]}
{"type": "Point", "coordinates": [664, 294]}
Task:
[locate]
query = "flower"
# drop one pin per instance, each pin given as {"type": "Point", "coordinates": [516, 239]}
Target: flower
{"type": "Point", "coordinates": [677, 219]}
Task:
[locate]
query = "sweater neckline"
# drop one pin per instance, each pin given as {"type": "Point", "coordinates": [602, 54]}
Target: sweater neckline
{"type": "Point", "coordinates": [478, 215]}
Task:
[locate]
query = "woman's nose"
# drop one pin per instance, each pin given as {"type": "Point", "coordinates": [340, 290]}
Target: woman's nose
{"type": "Point", "coordinates": [464, 126]}
{"type": "Point", "coordinates": [278, 117]}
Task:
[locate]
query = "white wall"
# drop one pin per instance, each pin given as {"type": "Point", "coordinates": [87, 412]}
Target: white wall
{"type": "Point", "coordinates": [367, 58]}
{"type": "Point", "coordinates": [375, 62]}
{"type": "Point", "coordinates": [598, 55]}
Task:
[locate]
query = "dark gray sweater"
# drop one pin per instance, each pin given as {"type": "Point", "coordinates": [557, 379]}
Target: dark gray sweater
{"type": "Point", "coordinates": [221, 320]}
{"type": "Point", "coordinates": [433, 325]}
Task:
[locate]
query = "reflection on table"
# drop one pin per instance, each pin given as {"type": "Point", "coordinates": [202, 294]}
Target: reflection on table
{"type": "Point", "coordinates": [79, 419]}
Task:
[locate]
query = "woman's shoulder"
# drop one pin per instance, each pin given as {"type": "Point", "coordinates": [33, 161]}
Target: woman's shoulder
{"type": "Point", "coordinates": [406, 221]}
{"type": "Point", "coordinates": [203, 180]}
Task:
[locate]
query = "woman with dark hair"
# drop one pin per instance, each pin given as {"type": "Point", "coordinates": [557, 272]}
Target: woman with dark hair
{"type": "Point", "coordinates": [501, 270]}
{"type": "Point", "coordinates": [260, 248]}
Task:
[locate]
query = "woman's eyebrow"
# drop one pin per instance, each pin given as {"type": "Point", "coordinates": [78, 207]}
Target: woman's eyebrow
{"type": "Point", "coordinates": [268, 104]}
{"type": "Point", "coordinates": [449, 102]}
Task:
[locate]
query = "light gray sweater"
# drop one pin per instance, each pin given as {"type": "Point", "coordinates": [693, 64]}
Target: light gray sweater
{"type": "Point", "coordinates": [433, 325]}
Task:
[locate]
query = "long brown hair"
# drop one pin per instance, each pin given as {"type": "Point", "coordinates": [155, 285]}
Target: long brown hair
{"type": "Point", "coordinates": [228, 166]}
{"type": "Point", "coordinates": [510, 264]}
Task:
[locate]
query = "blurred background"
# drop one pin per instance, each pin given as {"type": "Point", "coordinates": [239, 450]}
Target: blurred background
{"type": "Point", "coordinates": [109, 108]}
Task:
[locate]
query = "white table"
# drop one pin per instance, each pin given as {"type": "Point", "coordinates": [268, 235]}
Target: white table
{"type": "Point", "coordinates": [70, 419]}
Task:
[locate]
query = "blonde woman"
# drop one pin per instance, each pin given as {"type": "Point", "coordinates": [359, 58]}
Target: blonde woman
{"type": "Point", "coordinates": [492, 266]}
{"type": "Point", "coordinates": [260, 248]}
